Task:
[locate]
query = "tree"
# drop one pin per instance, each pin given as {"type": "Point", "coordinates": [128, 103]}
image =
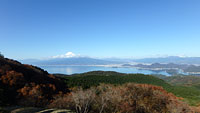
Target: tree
{"type": "Point", "coordinates": [1, 55]}
{"type": "Point", "coordinates": [83, 100]}
{"type": "Point", "coordinates": [13, 78]}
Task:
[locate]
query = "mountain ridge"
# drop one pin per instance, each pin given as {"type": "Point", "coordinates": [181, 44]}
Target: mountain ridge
{"type": "Point", "coordinates": [170, 59]}
{"type": "Point", "coordinates": [73, 61]}
{"type": "Point", "coordinates": [105, 61]}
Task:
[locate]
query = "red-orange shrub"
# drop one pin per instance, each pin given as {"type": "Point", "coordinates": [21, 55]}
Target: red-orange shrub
{"type": "Point", "coordinates": [62, 101]}
{"type": "Point", "coordinates": [127, 98]}
{"type": "Point", "coordinates": [36, 94]}
{"type": "Point", "coordinates": [13, 78]}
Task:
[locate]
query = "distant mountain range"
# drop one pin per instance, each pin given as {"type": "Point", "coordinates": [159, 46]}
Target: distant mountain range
{"type": "Point", "coordinates": [71, 61]}
{"type": "Point", "coordinates": [170, 59]}
{"type": "Point", "coordinates": [107, 61]}
{"type": "Point", "coordinates": [170, 68]}
{"type": "Point", "coordinates": [158, 65]}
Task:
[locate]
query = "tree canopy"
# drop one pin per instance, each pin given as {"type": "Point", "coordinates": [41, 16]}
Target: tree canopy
{"type": "Point", "coordinates": [1, 55]}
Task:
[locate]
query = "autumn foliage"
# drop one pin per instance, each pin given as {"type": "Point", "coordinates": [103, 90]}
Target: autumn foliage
{"type": "Point", "coordinates": [28, 85]}
{"type": "Point", "coordinates": [13, 78]}
{"type": "Point", "coordinates": [127, 98]}
{"type": "Point", "coordinates": [37, 95]}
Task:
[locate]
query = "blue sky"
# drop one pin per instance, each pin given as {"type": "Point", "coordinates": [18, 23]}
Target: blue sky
{"type": "Point", "coordinates": [99, 28]}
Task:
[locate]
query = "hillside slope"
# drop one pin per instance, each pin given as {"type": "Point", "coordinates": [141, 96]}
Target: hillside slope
{"type": "Point", "coordinates": [183, 80]}
{"type": "Point", "coordinates": [190, 94]}
{"type": "Point", "coordinates": [26, 85]}
{"type": "Point", "coordinates": [19, 82]}
{"type": "Point", "coordinates": [94, 78]}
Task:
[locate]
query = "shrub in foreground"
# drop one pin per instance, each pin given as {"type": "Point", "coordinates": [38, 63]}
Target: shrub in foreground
{"type": "Point", "coordinates": [36, 95]}
{"type": "Point", "coordinates": [128, 98]}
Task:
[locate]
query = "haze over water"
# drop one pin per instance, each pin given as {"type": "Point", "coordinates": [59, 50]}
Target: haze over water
{"type": "Point", "coordinates": [81, 69]}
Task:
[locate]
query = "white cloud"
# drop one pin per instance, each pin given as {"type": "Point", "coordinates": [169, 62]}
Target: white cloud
{"type": "Point", "coordinates": [67, 55]}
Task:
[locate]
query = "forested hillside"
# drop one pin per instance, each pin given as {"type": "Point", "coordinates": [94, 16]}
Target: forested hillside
{"type": "Point", "coordinates": [94, 78]}
{"type": "Point", "coordinates": [26, 84]}
{"type": "Point", "coordinates": [92, 92]}
{"type": "Point", "coordinates": [174, 84]}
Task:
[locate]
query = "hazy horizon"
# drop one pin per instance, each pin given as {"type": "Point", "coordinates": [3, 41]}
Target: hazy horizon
{"type": "Point", "coordinates": [73, 55]}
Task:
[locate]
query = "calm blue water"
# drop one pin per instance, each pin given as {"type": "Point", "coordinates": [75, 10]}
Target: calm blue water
{"type": "Point", "coordinates": [81, 69]}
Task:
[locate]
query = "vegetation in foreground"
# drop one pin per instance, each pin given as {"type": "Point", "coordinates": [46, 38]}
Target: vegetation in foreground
{"type": "Point", "coordinates": [30, 86]}
{"type": "Point", "coordinates": [27, 85]}
{"type": "Point", "coordinates": [189, 93]}
{"type": "Point", "coordinates": [126, 98]}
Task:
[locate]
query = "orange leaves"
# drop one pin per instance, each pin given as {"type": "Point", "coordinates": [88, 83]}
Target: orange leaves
{"type": "Point", "coordinates": [13, 78]}
{"type": "Point", "coordinates": [25, 91]}
{"type": "Point", "coordinates": [36, 94]}
{"type": "Point", "coordinates": [36, 90]}
{"type": "Point", "coordinates": [127, 98]}
{"type": "Point", "coordinates": [53, 87]}
{"type": "Point", "coordinates": [29, 84]}
{"type": "Point", "coordinates": [33, 90]}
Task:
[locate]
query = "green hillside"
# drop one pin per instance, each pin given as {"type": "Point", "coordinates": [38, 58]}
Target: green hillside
{"type": "Point", "coordinates": [186, 80]}
{"type": "Point", "coordinates": [86, 80]}
{"type": "Point", "coordinates": [191, 94]}
{"type": "Point", "coordinates": [187, 87]}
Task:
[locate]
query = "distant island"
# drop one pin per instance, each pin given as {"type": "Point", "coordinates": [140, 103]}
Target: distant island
{"type": "Point", "coordinates": [32, 89]}
{"type": "Point", "coordinates": [170, 68]}
{"type": "Point", "coordinates": [172, 65]}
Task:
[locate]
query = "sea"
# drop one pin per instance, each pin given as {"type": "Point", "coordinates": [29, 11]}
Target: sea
{"type": "Point", "coordinates": [69, 70]}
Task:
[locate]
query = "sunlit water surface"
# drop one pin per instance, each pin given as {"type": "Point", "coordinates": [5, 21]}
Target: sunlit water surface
{"type": "Point", "coordinates": [81, 69]}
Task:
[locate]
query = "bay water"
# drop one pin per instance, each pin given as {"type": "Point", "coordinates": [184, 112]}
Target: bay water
{"type": "Point", "coordinates": [82, 69]}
